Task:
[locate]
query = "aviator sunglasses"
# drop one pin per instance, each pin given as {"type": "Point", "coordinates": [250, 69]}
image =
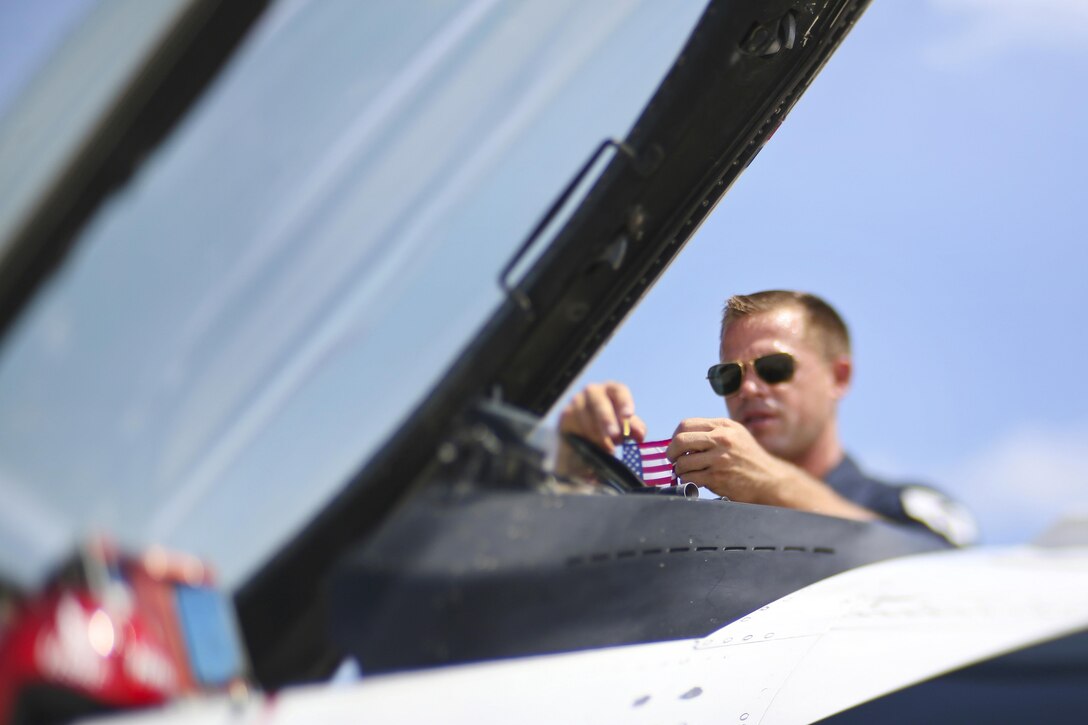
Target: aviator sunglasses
{"type": "Point", "coordinates": [725, 378]}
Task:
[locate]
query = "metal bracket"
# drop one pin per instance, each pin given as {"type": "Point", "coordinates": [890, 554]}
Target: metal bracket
{"type": "Point", "coordinates": [642, 166]}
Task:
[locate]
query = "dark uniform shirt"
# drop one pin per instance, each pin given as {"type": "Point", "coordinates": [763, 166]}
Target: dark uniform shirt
{"type": "Point", "coordinates": [911, 504]}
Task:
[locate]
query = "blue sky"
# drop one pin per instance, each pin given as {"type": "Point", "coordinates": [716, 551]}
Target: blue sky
{"type": "Point", "coordinates": [29, 31]}
{"type": "Point", "coordinates": [930, 184]}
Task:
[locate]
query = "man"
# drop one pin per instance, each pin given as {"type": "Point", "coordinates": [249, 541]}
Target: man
{"type": "Point", "coordinates": [785, 365]}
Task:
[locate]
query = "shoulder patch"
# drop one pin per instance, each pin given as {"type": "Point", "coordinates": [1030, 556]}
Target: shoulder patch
{"type": "Point", "coordinates": [940, 514]}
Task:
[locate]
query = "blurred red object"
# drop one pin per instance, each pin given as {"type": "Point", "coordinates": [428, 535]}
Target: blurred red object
{"type": "Point", "coordinates": [110, 631]}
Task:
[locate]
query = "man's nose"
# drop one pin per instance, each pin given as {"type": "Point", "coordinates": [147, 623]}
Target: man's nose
{"type": "Point", "coordinates": [751, 385]}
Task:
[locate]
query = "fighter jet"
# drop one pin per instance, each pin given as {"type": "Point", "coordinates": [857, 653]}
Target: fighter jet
{"type": "Point", "coordinates": [291, 286]}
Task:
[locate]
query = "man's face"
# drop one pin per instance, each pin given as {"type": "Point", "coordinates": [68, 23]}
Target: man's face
{"type": "Point", "coordinates": [788, 418]}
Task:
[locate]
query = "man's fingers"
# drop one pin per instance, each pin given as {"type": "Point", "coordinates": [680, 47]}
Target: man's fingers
{"type": "Point", "coordinates": [688, 466]}
{"type": "Point", "coordinates": [597, 414]}
{"type": "Point", "coordinates": [578, 420]}
{"type": "Point", "coordinates": [602, 416]}
{"type": "Point", "coordinates": [589, 426]}
{"type": "Point", "coordinates": [687, 443]}
{"type": "Point", "coordinates": [700, 434]}
{"type": "Point", "coordinates": [622, 402]}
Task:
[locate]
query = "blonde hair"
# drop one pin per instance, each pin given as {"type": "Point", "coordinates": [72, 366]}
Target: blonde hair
{"type": "Point", "coordinates": [825, 329]}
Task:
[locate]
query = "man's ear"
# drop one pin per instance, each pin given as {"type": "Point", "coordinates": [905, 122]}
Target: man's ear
{"type": "Point", "coordinates": [842, 369]}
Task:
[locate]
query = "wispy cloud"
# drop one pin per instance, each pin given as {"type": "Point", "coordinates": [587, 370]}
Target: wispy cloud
{"type": "Point", "coordinates": [31, 533]}
{"type": "Point", "coordinates": [987, 28]}
{"type": "Point", "coordinates": [1024, 481]}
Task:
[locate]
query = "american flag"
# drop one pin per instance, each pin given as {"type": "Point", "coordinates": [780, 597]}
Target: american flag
{"type": "Point", "coordinates": [647, 461]}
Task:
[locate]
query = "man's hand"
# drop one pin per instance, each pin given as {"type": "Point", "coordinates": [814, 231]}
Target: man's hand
{"type": "Point", "coordinates": [720, 454]}
{"type": "Point", "coordinates": [597, 414]}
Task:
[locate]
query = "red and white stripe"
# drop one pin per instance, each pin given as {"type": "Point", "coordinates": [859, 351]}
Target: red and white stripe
{"type": "Point", "coordinates": [656, 468]}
